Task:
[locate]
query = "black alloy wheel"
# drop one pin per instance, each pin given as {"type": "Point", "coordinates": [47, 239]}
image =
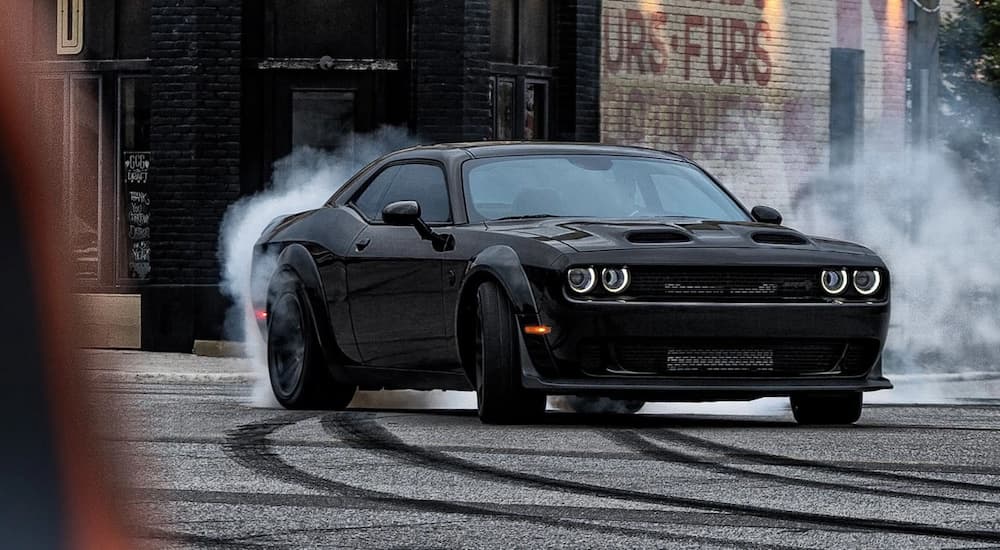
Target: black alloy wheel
{"type": "Point", "coordinates": [832, 408]}
{"type": "Point", "coordinates": [500, 397]}
{"type": "Point", "coordinates": [296, 366]}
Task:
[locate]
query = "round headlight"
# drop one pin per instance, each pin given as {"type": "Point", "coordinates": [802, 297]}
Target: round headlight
{"type": "Point", "coordinates": [834, 281]}
{"type": "Point", "coordinates": [867, 281]}
{"type": "Point", "coordinates": [581, 279]}
{"type": "Point", "coordinates": [615, 280]}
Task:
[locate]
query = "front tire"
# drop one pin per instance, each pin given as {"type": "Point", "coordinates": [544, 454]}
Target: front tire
{"type": "Point", "coordinates": [500, 396]}
{"type": "Point", "coordinates": [825, 409]}
{"type": "Point", "coordinates": [296, 365]}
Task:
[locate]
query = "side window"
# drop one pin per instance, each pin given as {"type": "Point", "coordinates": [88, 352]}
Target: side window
{"type": "Point", "coordinates": [424, 183]}
{"type": "Point", "coordinates": [370, 202]}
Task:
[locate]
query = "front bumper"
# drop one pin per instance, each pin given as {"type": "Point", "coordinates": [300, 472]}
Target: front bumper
{"type": "Point", "coordinates": [555, 363]}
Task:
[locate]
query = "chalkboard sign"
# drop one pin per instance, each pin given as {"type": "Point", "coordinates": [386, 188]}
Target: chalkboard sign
{"type": "Point", "coordinates": [135, 170]}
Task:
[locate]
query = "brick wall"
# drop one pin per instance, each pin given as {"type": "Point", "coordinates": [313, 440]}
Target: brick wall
{"type": "Point", "coordinates": [195, 134]}
{"type": "Point", "coordinates": [579, 25]}
{"type": "Point", "coordinates": [742, 86]}
{"type": "Point", "coordinates": [451, 47]}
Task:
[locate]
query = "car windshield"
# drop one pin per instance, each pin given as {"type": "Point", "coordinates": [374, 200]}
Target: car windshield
{"type": "Point", "coordinates": [593, 186]}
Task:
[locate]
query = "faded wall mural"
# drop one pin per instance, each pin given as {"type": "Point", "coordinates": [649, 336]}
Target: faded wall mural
{"type": "Point", "coordinates": [743, 86]}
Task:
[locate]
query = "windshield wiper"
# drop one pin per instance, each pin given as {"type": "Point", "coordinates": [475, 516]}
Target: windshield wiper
{"type": "Point", "coordinates": [527, 217]}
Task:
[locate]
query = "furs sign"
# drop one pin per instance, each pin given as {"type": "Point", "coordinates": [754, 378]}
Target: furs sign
{"type": "Point", "coordinates": [730, 48]}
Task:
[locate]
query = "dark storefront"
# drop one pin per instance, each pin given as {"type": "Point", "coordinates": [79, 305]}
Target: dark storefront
{"type": "Point", "coordinates": [170, 111]}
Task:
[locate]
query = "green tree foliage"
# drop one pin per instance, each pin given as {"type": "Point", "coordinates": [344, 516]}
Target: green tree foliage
{"type": "Point", "coordinates": [970, 70]}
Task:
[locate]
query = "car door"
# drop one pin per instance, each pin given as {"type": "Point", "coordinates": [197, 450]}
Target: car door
{"type": "Point", "coordinates": [395, 280]}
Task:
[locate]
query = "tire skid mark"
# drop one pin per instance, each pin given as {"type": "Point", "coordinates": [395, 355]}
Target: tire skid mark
{"type": "Point", "coordinates": [249, 446]}
{"type": "Point", "coordinates": [200, 540]}
{"type": "Point", "coordinates": [370, 435]}
{"type": "Point", "coordinates": [362, 432]}
{"type": "Point", "coordinates": [767, 459]}
{"type": "Point", "coordinates": [640, 445]}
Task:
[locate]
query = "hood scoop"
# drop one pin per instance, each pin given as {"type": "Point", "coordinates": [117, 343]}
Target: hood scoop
{"type": "Point", "coordinates": [656, 236]}
{"type": "Point", "coordinates": [778, 238]}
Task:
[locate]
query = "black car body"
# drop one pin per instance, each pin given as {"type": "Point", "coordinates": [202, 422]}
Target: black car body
{"type": "Point", "coordinates": [714, 310]}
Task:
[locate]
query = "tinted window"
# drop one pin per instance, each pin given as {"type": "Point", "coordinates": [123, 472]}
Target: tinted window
{"type": "Point", "coordinates": [370, 202]}
{"type": "Point", "coordinates": [593, 186]}
{"type": "Point", "coordinates": [424, 183]}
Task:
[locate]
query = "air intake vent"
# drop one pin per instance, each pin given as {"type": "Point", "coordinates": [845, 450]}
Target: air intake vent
{"type": "Point", "coordinates": [778, 238]}
{"type": "Point", "coordinates": [654, 237]}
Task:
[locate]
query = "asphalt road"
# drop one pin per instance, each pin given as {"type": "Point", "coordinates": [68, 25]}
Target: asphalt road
{"type": "Point", "coordinates": [208, 470]}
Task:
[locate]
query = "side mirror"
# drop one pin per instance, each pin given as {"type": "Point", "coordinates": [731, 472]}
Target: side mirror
{"type": "Point", "coordinates": [407, 213]}
{"type": "Point", "coordinates": [766, 214]}
{"type": "Point", "coordinates": [401, 213]}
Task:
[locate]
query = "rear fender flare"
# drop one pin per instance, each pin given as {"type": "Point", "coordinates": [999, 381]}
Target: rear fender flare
{"type": "Point", "coordinates": [297, 259]}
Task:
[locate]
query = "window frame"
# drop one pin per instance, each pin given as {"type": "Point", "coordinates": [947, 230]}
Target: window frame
{"type": "Point", "coordinates": [522, 74]}
{"type": "Point", "coordinates": [364, 187]}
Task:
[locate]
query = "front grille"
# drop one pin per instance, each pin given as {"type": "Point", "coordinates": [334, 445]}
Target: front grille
{"type": "Point", "coordinates": [736, 358]}
{"type": "Point", "coordinates": [724, 284]}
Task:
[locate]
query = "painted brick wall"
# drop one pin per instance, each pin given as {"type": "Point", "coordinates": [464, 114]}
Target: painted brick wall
{"type": "Point", "coordinates": [742, 86]}
{"type": "Point", "coordinates": [195, 134]}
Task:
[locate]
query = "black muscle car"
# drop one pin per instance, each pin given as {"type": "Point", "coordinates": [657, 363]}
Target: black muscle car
{"type": "Point", "coordinates": [522, 270]}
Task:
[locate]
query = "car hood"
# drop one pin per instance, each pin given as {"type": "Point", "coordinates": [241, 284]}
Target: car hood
{"type": "Point", "coordinates": [591, 235]}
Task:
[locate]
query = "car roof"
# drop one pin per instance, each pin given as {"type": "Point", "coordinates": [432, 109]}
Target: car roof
{"type": "Point", "coordinates": [487, 149]}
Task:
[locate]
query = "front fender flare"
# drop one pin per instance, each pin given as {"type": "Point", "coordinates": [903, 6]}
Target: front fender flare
{"type": "Point", "coordinates": [503, 264]}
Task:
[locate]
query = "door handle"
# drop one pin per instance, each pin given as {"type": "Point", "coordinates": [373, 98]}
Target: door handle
{"type": "Point", "coordinates": [362, 244]}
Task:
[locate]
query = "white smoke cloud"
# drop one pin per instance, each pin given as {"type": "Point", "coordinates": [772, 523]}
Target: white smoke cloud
{"type": "Point", "coordinates": [921, 213]}
{"type": "Point", "coordinates": [302, 181]}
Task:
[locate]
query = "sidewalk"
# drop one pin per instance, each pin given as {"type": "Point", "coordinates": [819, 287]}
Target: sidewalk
{"type": "Point", "coordinates": [143, 366]}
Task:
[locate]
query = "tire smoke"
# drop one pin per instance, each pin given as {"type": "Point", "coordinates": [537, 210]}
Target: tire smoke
{"type": "Point", "coordinates": [303, 180]}
{"type": "Point", "coordinates": [933, 223]}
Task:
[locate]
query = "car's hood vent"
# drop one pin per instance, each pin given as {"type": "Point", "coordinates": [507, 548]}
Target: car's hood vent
{"type": "Point", "coordinates": [778, 238]}
{"type": "Point", "coordinates": [656, 236]}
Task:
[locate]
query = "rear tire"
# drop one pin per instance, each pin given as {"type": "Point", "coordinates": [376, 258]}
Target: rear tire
{"type": "Point", "coordinates": [820, 409]}
{"type": "Point", "coordinates": [500, 396]}
{"type": "Point", "coordinates": [300, 377]}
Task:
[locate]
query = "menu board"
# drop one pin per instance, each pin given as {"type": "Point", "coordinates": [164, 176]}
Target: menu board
{"type": "Point", "coordinates": [135, 170]}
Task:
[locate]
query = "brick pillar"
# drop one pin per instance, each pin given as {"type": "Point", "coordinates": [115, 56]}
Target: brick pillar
{"type": "Point", "coordinates": [579, 32]}
{"type": "Point", "coordinates": [194, 176]}
{"type": "Point", "coordinates": [451, 47]}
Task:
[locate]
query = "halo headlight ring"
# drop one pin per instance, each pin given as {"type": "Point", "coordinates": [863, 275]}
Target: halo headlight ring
{"type": "Point", "coordinates": [615, 279]}
{"type": "Point", "coordinates": [867, 281]}
{"type": "Point", "coordinates": [834, 281]}
{"type": "Point", "coordinates": [581, 280]}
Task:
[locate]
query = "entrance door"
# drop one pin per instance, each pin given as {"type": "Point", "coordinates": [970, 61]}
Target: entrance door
{"type": "Point", "coordinates": [321, 110]}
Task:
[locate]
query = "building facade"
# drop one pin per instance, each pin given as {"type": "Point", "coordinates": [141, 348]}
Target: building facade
{"type": "Point", "coordinates": [165, 112]}
{"type": "Point", "coordinates": [764, 93]}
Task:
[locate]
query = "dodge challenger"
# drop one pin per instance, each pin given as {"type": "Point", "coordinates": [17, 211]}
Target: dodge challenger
{"type": "Point", "coordinates": [523, 270]}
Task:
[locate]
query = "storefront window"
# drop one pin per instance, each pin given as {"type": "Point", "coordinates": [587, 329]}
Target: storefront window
{"type": "Point", "coordinates": [134, 172]}
{"type": "Point", "coordinates": [535, 107]}
{"type": "Point", "coordinates": [504, 108]}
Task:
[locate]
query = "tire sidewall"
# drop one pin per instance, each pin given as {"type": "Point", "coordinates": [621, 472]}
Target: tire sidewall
{"type": "Point", "coordinates": [288, 286]}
